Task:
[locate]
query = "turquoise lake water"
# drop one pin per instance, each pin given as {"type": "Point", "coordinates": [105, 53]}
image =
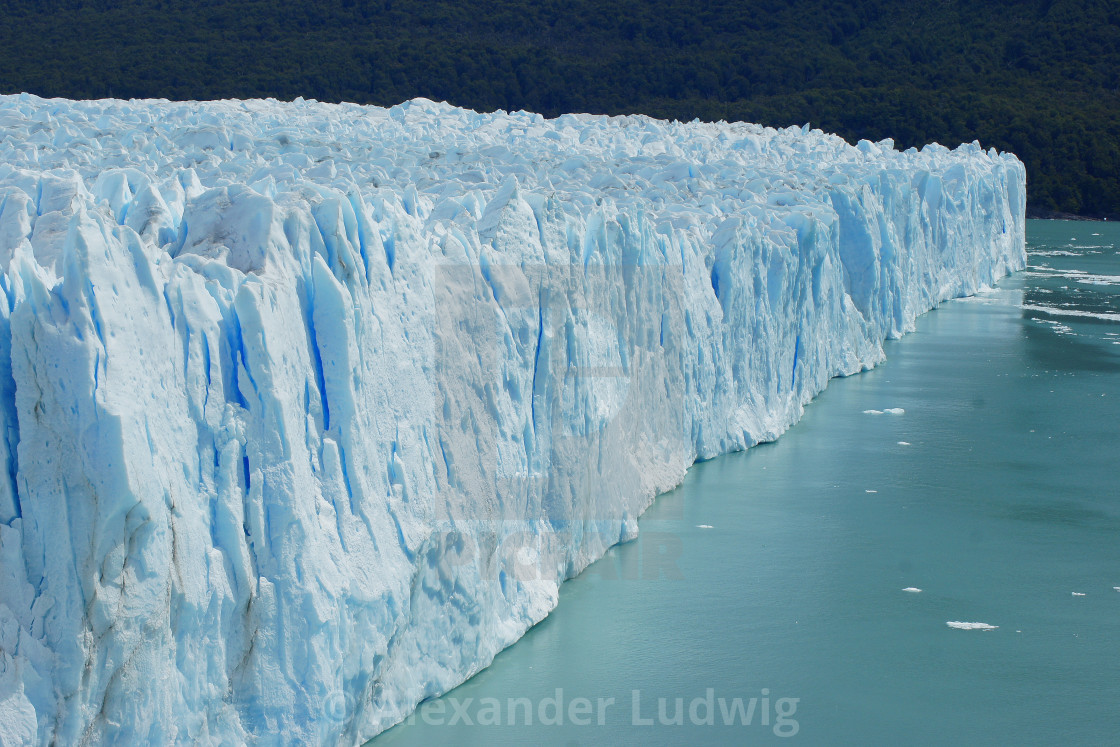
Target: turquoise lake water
{"type": "Point", "coordinates": [996, 493]}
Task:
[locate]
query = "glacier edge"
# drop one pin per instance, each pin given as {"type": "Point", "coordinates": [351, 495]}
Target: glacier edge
{"type": "Point", "coordinates": [309, 409]}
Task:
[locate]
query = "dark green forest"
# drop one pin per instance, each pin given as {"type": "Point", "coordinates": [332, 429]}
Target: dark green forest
{"type": "Point", "coordinates": [1040, 78]}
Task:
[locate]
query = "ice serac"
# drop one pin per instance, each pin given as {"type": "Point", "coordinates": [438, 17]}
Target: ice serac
{"type": "Point", "coordinates": [307, 410]}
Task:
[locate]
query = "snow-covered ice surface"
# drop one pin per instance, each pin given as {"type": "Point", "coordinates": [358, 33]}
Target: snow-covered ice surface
{"type": "Point", "coordinates": [307, 410]}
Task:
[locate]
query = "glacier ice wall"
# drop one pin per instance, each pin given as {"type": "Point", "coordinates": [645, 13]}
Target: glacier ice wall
{"type": "Point", "coordinates": [307, 410]}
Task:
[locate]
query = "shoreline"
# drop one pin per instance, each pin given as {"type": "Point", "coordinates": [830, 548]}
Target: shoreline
{"type": "Point", "coordinates": [1057, 215]}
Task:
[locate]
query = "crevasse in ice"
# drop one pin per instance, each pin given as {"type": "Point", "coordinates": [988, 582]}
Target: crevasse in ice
{"type": "Point", "coordinates": [307, 410]}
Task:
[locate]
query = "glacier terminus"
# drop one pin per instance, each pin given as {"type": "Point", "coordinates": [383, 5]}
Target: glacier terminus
{"type": "Point", "coordinates": [307, 410]}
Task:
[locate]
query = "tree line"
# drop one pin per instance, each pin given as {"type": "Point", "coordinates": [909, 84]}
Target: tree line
{"type": "Point", "coordinates": [1040, 78]}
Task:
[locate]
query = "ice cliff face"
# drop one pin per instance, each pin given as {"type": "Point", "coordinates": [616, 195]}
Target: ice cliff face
{"type": "Point", "coordinates": [307, 410]}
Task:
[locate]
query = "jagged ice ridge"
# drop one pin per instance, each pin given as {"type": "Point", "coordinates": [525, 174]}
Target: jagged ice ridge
{"type": "Point", "coordinates": [307, 410]}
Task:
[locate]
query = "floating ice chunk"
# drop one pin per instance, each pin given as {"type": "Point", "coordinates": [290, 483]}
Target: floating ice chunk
{"type": "Point", "coordinates": [1108, 316]}
{"type": "Point", "coordinates": [703, 526]}
{"type": "Point", "coordinates": [872, 412]}
{"type": "Point", "coordinates": [871, 491]}
{"type": "Point", "coordinates": [912, 589]}
{"type": "Point", "coordinates": [970, 626]}
{"type": "Point", "coordinates": [1077, 593]}
{"type": "Point", "coordinates": [895, 411]}
{"type": "Point", "coordinates": [1081, 276]}
{"type": "Point", "coordinates": [903, 443]}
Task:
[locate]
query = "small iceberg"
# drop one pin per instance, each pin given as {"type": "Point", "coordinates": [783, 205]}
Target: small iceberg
{"type": "Point", "coordinates": [970, 626]}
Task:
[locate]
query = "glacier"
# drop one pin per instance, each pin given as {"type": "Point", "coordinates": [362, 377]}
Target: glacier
{"type": "Point", "coordinates": [308, 410]}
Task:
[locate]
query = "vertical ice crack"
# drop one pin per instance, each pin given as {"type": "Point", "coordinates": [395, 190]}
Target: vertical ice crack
{"type": "Point", "coordinates": [537, 357]}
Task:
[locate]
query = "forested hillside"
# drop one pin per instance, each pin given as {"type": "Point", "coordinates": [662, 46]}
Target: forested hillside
{"type": "Point", "coordinates": [1037, 77]}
